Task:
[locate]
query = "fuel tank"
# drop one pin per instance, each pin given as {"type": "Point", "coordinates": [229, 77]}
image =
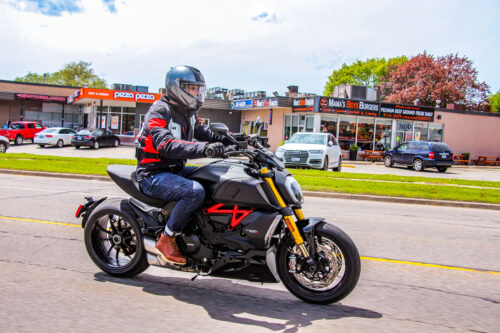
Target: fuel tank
{"type": "Point", "coordinates": [227, 182]}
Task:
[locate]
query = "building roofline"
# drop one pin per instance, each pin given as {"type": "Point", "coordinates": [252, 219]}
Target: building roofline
{"type": "Point", "coordinates": [39, 84]}
{"type": "Point", "coordinates": [475, 113]}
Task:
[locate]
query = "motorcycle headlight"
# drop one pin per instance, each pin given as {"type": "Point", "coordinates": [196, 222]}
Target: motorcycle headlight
{"type": "Point", "coordinates": [294, 190]}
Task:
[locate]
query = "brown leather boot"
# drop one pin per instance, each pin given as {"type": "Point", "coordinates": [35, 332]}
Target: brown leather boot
{"type": "Point", "coordinates": [168, 247]}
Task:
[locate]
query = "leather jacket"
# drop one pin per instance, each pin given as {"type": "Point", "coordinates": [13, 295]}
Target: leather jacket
{"type": "Point", "coordinates": [165, 141]}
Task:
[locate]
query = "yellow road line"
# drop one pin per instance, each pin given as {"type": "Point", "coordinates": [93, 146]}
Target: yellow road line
{"type": "Point", "coordinates": [39, 221]}
{"type": "Point", "coordinates": [402, 262]}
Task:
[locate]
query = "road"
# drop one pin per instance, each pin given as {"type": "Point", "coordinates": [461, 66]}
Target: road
{"type": "Point", "coordinates": [127, 152]}
{"type": "Point", "coordinates": [48, 283]}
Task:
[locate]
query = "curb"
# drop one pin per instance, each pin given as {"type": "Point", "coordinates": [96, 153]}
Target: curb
{"type": "Point", "coordinates": [333, 195]}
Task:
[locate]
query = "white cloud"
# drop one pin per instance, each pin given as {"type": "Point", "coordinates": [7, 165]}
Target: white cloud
{"type": "Point", "coordinates": [252, 45]}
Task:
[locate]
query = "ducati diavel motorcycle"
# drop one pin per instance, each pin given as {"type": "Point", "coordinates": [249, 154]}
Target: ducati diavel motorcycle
{"type": "Point", "coordinates": [251, 226]}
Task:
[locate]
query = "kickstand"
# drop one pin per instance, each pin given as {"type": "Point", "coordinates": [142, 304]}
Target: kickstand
{"type": "Point", "coordinates": [194, 277]}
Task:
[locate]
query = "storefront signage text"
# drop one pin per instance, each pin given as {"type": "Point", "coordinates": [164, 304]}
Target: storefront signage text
{"type": "Point", "coordinates": [242, 104]}
{"type": "Point", "coordinates": [265, 102]}
{"type": "Point", "coordinates": [116, 95]}
{"type": "Point", "coordinates": [41, 98]}
{"type": "Point", "coordinates": [409, 112]}
{"type": "Point", "coordinates": [303, 104]}
{"type": "Point", "coordinates": [347, 106]}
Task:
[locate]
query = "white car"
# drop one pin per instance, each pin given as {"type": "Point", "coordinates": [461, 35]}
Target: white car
{"type": "Point", "coordinates": [314, 150]}
{"type": "Point", "coordinates": [58, 136]}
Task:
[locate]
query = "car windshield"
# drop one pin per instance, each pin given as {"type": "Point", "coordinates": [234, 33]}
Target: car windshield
{"type": "Point", "coordinates": [49, 130]}
{"type": "Point", "coordinates": [314, 139]}
{"type": "Point", "coordinates": [83, 132]}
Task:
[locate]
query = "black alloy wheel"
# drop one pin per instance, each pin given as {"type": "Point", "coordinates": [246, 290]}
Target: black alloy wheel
{"type": "Point", "coordinates": [337, 261]}
{"type": "Point", "coordinates": [114, 241]}
{"type": "Point", "coordinates": [325, 164]}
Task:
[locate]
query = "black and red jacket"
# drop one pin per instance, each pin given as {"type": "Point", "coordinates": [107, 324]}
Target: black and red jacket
{"type": "Point", "coordinates": [165, 140]}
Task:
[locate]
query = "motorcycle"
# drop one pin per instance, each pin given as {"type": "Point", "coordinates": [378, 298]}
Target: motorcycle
{"type": "Point", "coordinates": [251, 226]}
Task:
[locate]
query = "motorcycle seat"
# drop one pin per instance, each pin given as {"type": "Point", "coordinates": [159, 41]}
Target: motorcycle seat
{"type": "Point", "coordinates": [124, 177]}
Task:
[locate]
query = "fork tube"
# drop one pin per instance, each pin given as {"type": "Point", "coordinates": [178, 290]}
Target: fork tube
{"type": "Point", "coordinates": [290, 223]}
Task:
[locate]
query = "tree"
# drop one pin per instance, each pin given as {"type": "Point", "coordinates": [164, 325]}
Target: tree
{"type": "Point", "coordinates": [495, 101]}
{"type": "Point", "coordinates": [448, 79]}
{"type": "Point", "coordinates": [365, 73]}
{"type": "Point", "coordinates": [72, 74]}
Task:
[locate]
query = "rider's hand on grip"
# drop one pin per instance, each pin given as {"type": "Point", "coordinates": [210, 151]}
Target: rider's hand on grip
{"type": "Point", "coordinates": [215, 149]}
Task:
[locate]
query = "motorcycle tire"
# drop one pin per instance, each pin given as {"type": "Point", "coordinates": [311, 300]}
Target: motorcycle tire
{"type": "Point", "coordinates": [112, 232]}
{"type": "Point", "coordinates": [347, 275]}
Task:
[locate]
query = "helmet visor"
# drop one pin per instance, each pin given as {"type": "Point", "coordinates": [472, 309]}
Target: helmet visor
{"type": "Point", "coordinates": [195, 90]}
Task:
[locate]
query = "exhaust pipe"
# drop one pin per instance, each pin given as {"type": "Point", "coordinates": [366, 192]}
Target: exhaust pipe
{"type": "Point", "coordinates": [153, 255]}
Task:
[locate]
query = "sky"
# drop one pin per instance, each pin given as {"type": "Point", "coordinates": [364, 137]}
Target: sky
{"type": "Point", "coordinates": [250, 45]}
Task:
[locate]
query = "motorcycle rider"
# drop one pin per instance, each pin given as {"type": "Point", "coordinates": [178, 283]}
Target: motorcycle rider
{"type": "Point", "coordinates": [164, 144]}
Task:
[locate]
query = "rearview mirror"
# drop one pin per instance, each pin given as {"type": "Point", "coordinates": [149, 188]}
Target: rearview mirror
{"type": "Point", "coordinates": [219, 128]}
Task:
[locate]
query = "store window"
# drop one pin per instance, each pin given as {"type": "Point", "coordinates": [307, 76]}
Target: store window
{"type": "Point", "coordinates": [310, 123]}
{"type": "Point", "coordinates": [420, 131]}
{"type": "Point", "coordinates": [366, 129]}
{"type": "Point", "coordinates": [250, 128]}
{"type": "Point", "coordinates": [404, 131]}
{"type": "Point", "coordinates": [435, 132]}
{"type": "Point", "coordinates": [297, 123]}
{"type": "Point", "coordinates": [383, 134]}
{"type": "Point", "coordinates": [347, 132]}
{"type": "Point", "coordinates": [329, 124]}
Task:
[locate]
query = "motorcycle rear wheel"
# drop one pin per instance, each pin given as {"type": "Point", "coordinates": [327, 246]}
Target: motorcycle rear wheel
{"type": "Point", "coordinates": [338, 255]}
{"type": "Point", "coordinates": [113, 240]}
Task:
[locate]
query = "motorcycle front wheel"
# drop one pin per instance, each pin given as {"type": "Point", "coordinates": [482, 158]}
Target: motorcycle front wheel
{"type": "Point", "coordinates": [337, 261]}
{"type": "Point", "coordinates": [114, 241]}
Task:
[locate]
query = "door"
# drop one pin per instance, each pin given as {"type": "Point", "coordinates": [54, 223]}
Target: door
{"type": "Point", "coordinates": [30, 133]}
{"type": "Point", "coordinates": [333, 150]}
{"type": "Point", "coordinates": [399, 154]}
{"type": "Point", "coordinates": [108, 137]}
{"type": "Point", "coordinates": [66, 135]}
{"type": "Point", "coordinates": [411, 152]}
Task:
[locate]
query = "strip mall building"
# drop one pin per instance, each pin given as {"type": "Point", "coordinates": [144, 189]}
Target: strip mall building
{"type": "Point", "coordinates": [368, 124]}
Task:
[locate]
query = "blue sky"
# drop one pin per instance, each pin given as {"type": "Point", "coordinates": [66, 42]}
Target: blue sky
{"type": "Point", "coordinates": [250, 45]}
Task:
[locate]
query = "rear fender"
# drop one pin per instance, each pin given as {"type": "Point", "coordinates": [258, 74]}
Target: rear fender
{"type": "Point", "coordinates": [86, 209]}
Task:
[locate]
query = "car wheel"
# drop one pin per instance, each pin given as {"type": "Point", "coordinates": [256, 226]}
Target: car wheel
{"type": "Point", "coordinates": [388, 161]}
{"type": "Point", "coordinates": [3, 147]}
{"type": "Point", "coordinates": [339, 167]}
{"type": "Point", "coordinates": [60, 144]}
{"type": "Point", "coordinates": [77, 147]}
{"type": "Point", "coordinates": [442, 169]}
{"type": "Point", "coordinates": [19, 139]}
{"type": "Point", "coordinates": [418, 165]}
{"type": "Point", "coordinates": [325, 164]}
{"type": "Point", "coordinates": [96, 145]}
{"type": "Point", "coordinates": [42, 146]}
{"type": "Point", "coordinates": [116, 143]}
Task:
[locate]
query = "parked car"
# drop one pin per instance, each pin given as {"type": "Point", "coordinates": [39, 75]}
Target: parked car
{"type": "Point", "coordinates": [95, 139]}
{"type": "Point", "coordinates": [58, 136]}
{"type": "Point", "coordinates": [420, 155]}
{"type": "Point", "coordinates": [19, 131]}
{"type": "Point", "coordinates": [4, 144]}
{"type": "Point", "coordinates": [313, 150]}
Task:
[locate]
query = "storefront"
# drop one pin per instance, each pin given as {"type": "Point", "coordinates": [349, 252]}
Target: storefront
{"type": "Point", "coordinates": [367, 124]}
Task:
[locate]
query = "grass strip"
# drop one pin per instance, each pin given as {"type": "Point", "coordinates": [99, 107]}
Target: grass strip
{"type": "Point", "coordinates": [312, 180]}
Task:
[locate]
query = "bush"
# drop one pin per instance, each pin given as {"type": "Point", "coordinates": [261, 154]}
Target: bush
{"type": "Point", "coordinates": [466, 156]}
{"type": "Point", "coordinates": [353, 148]}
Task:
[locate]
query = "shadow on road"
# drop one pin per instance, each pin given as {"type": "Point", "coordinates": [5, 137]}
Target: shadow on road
{"type": "Point", "coordinates": [227, 301]}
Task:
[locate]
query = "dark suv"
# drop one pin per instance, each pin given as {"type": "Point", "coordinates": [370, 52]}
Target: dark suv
{"type": "Point", "coordinates": [420, 155]}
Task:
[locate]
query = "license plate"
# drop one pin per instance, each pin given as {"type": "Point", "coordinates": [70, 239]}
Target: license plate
{"type": "Point", "coordinates": [443, 155]}
{"type": "Point", "coordinates": [295, 159]}
{"type": "Point", "coordinates": [41, 136]}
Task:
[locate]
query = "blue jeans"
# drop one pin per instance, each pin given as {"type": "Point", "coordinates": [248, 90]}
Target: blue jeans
{"type": "Point", "coordinates": [167, 186]}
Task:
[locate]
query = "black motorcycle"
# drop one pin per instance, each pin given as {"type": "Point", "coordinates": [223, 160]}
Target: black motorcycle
{"type": "Point", "coordinates": [250, 226]}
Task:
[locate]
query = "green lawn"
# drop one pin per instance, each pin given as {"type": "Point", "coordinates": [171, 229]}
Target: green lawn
{"type": "Point", "coordinates": [312, 180]}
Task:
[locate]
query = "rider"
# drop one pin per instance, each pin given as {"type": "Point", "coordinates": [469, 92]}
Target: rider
{"type": "Point", "coordinates": [163, 145]}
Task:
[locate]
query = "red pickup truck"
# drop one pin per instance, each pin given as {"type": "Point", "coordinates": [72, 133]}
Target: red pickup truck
{"type": "Point", "coordinates": [19, 131]}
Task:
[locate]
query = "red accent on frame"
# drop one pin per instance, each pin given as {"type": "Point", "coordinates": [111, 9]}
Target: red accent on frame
{"type": "Point", "coordinates": [235, 220]}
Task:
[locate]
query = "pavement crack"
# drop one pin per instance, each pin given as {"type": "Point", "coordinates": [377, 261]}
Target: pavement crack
{"type": "Point", "coordinates": [45, 266]}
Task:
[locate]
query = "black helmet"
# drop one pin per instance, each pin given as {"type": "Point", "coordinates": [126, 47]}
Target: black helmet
{"type": "Point", "coordinates": [176, 81]}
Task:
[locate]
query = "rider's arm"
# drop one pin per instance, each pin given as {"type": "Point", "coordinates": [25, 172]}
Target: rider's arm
{"type": "Point", "coordinates": [203, 133]}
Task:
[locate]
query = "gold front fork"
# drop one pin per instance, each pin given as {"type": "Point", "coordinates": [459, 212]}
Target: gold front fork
{"type": "Point", "coordinates": [290, 223]}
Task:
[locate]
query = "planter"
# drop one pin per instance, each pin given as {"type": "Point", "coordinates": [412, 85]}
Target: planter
{"type": "Point", "coordinates": [353, 155]}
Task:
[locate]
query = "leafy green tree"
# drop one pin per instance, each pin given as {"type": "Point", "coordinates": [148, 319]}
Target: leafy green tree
{"type": "Point", "coordinates": [74, 74]}
{"type": "Point", "coordinates": [365, 73]}
{"type": "Point", "coordinates": [495, 101]}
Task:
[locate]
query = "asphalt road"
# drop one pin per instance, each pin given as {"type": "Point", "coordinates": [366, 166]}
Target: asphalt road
{"type": "Point", "coordinates": [48, 283]}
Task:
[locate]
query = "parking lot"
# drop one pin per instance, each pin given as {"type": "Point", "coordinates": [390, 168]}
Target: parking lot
{"type": "Point", "coordinates": [490, 173]}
